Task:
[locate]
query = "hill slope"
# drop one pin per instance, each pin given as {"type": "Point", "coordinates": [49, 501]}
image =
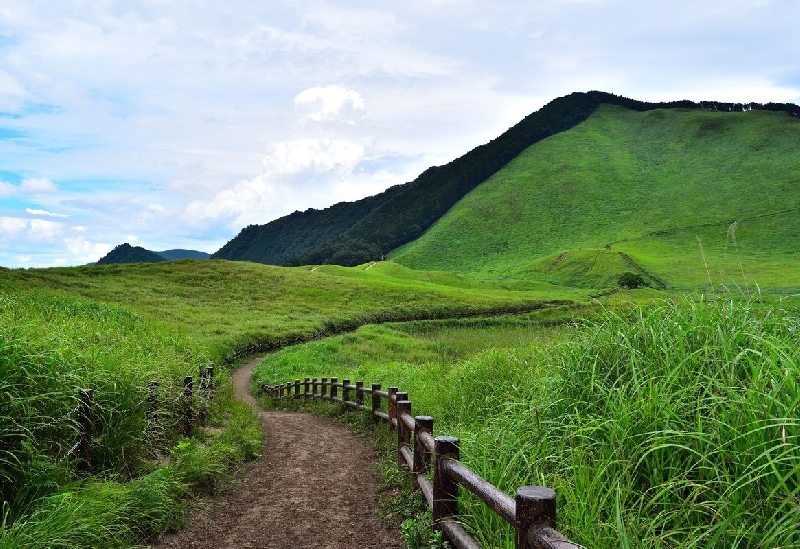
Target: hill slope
{"type": "Point", "coordinates": [633, 191]}
{"type": "Point", "coordinates": [125, 253]}
{"type": "Point", "coordinates": [351, 233]}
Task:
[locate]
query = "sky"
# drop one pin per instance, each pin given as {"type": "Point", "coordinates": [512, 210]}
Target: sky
{"type": "Point", "coordinates": [175, 123]}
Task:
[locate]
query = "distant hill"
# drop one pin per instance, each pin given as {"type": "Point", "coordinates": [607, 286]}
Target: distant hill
{"type": "Point", "coordinates": [171, 255]}
{"type": "Point", "coordinates": [125, 253]}
{"type": "Point", "coordinates": [350, 233]}
{"type": "Point", "coordinates": [676, 197]}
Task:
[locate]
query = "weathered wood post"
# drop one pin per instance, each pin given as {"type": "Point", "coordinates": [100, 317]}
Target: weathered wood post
{"type": "Point", "coordinates": [536, 509]}
{"type": "Point", "coordinates": [202, 391]}
{"type": "Point", "coordinates": [210, 383]}
{"type": "Point", "coordinates": [287, 389]}
{"type": "Point", "coordinates": [296, 388]}
{"type": "Point", "coordinates": [306, 383]}
{"type": "Point", "coordinates": [376, 402]}
{"type": "Point", "coordinates": [392, 406]}
{"type": "Point", "coordinates": [422, 459]}
{"type": "Point", "coordinates": [345, 392]}
{"type": "Point", "coordinates": [324, 390]}
{"type": "Point", "coordinates": [334, 389]}
{"type": "Point", "coordinates": [403, 432]}
{"type": "Point", "coordinates": [359, 395]}
{"type": "Point", "coordinates": [86, 397]}
{"type": "Point", "coordinates": [152, 399]}
{"type": "Point", "coordinates": [188, 418]}
{"type": "Point", "coordinates": [445, 490]}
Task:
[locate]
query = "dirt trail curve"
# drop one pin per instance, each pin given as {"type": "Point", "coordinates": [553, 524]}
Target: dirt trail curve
{"type": "Point", "coordinates": [316, 490]}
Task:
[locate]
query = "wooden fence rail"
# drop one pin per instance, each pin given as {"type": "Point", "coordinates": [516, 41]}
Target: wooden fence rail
{"type": "Point", "coordinates": [532, 513]}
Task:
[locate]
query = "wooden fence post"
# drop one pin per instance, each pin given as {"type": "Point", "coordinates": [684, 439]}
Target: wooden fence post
{"type": "Point", "coordinates": [422, 459]}
{"type": "Point", "coordinates": [324, 388]}
{"type": "Point", "coordinates": [306, 383]}
{"type": "Point", "coordinates": [345, 392]}
{"type": "Point", "coordinates": [334, 389]}
{"type": "Point", "coordinates": [201, 392]}
{"type": "Point", "coordinates": [314, 383]}
{"type": "Point", "coordinates": [188, 418]}
{"type": "Point", "coordinates": [445, 490]}
{"type": "Point", "coordinates": [152, 399]}
{"type": "Point", "coordinates": [392, 405]}
{"type": "Point", "coordinates": [403, 433]}
{"type": "Point", "coordinates": [536, 509]}
{"type": "Point", "coordinates": [86, 430]}
{"type": "Point", "coordinates": [359, 395]}
{"type": "Point", "coordinates": [376, 402]}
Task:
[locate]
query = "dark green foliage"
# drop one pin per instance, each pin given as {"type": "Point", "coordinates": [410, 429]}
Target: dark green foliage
{"type": "Point", "coordinates": [403, 212]}
{"type": "Point", "coordinates": [631, 280]}
{"type": "Point", "coordinates": [171, 255]}
{"type": "Point", "coordinates": [125, 253]}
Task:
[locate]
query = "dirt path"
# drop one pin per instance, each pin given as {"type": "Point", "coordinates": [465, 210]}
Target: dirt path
{"type": "Point", "coordinates": [314, 490]}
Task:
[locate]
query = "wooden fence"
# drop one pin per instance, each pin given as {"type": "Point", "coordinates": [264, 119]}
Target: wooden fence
{"type": "Point", "coordinates": [187, 418]}
{"type": "Point", "coordinates": [532, 513]}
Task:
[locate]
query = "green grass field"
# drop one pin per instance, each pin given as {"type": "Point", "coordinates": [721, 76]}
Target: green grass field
{"type": "Point", "coordinates": [672, 425]}
{"type": "Point", "coordinates": [116, 328]}
{"type": "Point", "coordinates": [644, 184]}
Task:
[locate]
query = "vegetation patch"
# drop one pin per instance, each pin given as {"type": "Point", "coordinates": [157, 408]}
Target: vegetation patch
{"type": "Point", "coordinates": [666, 425]}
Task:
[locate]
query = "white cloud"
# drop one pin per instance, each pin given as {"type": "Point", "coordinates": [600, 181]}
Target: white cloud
{"type": "Point", "coordinates": [312, 156]}
{"type": "Point", "coordinates": [33, 211]}
{"type": "Point", "coordinates": [85, 251]}
{"type": "Point", "coordinates": [41, 229]}
{"type": "Point", "coordinates": [29, 186]}
{"type": "Point", "coordinates": [331, 103]}
{"type": "Point", "coordinates": [10, 226]}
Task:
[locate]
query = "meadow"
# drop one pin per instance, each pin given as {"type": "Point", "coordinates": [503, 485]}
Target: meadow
{"type": "Point", "coordinates": [668, 425]}
{"type": "Point", "coordinates": [115, 329]}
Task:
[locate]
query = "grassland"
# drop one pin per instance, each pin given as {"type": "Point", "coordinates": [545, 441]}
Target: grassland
{"type": "Point", "coordinates": [232, 308]}
{"type": "Point", "coordinates": [116, 328]}
{"type": "Point", "coordinates": [673, 425]}
{"type": "Point", "coordinates": [630, 191]}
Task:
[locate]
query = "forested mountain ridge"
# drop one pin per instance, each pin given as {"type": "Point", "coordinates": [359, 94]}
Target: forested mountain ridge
{"type": "Point", "coordinates": [350, 233]}
{"type": "Point", "coordinates": [125, 253]}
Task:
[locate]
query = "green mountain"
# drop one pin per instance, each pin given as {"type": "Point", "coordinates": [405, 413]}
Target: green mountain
{"type": "Point", "coordinates": [171, 255]}
{"type": "Point", "coordinates": [350, 233]}
{"type": "Point", "coordinates": [125, 253]}
{"type": "Point", "coordinates": [678, 198]}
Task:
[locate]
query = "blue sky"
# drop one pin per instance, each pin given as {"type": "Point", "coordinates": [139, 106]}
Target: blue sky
{"type": "Point", "coordinates": [172, 124]}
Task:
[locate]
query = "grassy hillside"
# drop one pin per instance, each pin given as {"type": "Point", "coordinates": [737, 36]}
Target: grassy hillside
{"type": "Point", "coordinates": [240, 307]}
{"type": "Point", "coordinates": [633, 191]}
{"type": "Point", "coordinates": [350, 233]}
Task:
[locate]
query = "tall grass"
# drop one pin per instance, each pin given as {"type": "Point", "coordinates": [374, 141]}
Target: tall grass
{"type": "Point", "coordinates": [52, 345]}
{"type": "Point", "coordinates": [673, 425]}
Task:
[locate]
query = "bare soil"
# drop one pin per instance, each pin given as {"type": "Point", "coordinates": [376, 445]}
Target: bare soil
{"type": "Point", "coordinates": [314, 486]}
